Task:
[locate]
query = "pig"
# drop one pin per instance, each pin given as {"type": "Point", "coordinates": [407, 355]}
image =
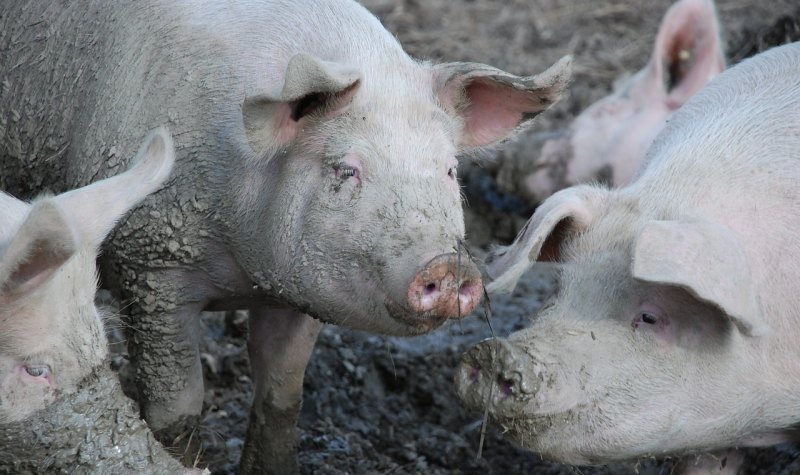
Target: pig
{"type": "Point", "coordinates": [676, 325]}
{"type": "Point", "coordinates": [315, 177]}
{"type": "Point", "coordinates": [608, 140]}
{"type": "Point", "coordinates": [61, 406]}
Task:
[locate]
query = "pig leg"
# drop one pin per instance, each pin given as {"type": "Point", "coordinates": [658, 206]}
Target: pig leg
{"type": "Point", "coordinates": [163, 344]}
{"type": "Point", "coordinates": [725, 462]}
{"type": "Point", "coordinates": [280, 345]}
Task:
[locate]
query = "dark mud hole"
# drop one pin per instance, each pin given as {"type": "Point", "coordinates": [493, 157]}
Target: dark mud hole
{"type": "Point", "coordinates": [388, 405]}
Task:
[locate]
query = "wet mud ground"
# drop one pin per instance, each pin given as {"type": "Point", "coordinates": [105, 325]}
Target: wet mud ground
{"type": "Point", "coordinates": [385, 405]}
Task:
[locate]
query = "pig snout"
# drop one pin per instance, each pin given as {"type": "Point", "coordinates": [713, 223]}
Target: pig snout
{"type": "Point", "coordinates": [498, 375]}
{"type": "Point", "coordinates": [448, 286]}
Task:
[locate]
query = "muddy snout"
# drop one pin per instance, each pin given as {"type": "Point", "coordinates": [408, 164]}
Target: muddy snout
{"type": "Point", "coordinates": [497, 374]}
{"type": "Point", "coordinates": [449, 286]}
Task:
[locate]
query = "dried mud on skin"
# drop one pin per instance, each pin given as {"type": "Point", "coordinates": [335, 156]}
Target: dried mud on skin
{"type": "Point", "coordinates": [378, 405]}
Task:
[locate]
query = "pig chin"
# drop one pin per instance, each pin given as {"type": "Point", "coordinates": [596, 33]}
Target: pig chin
{"type": "Point", "coordinates": [574, 445]}
{"type": "Point", "coordinates": [588, 437]}
{"type": "Point", "coordinates": [415, 323]}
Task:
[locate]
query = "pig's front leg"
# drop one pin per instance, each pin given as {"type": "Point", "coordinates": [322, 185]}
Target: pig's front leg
{"type": "Point", "coordinates": [163, 343]}
{"type": "Point", "coordinates": [280, 345]}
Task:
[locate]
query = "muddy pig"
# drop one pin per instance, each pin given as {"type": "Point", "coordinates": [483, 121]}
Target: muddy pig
{"type": "Point", "coordinates": [608, 140]}
{"type": "Point", "coordinates": [315, 176]}
{"type": "Point", "coordinates": [676, 327]}
{"type": "Point", "coordinates": [61, 407]}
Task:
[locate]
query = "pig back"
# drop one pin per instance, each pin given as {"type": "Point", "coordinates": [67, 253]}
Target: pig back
{"type": "Point", "coordinates": [737, 135]}
{"type": "Point", "coordinates": [82, 82]}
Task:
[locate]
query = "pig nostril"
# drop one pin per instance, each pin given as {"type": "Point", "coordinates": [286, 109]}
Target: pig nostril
{"type": "Point", "coordinates": [506, 386]}
{"type": "Point", "coordinates": [474, 373]}
{"type": "Point", "coordinates": [429, 289]}
{"type": "Point", "coordinates": [469, 288]}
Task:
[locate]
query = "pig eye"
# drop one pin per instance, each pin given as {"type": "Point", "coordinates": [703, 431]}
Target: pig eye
{"type": "Point", "coordinates": [452, 172]}
{"type": "Point", "coordinates": [38, 371]}
{"type": "Point", "coordinates": [645, 317]}
{"type": "Point", "coordinates": [346, 171]}
{"type": "Point", "coordinates": [648, 318]}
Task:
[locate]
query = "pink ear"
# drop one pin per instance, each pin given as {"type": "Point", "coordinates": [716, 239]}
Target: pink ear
{"type": "Point", "coordinates": [42, 244]}
{"type": "Point", "coordinates": [493, 103]}
{"type": "Point", "coordinates": [688, 51]}
{"type": "Point", "coordinates": [560, 217]}
{"type": "Point", "coordinates": [95, 208]}
{"type": "Point", "coordinates": [310, 86]}
{"type": "Point", "coordinates": [707, 260]}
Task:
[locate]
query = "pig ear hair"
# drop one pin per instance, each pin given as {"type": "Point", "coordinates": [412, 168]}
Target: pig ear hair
{"type": "Point", "coordinates": [39, 247]}
{"type": "Point", "coordinates": [494, 103]}
{"type": "Point", "coordinates": [310, 85]}
{"type": "Point", "coordinates": [705, 259]}
{"type": "Point", "coordinates": [564, 214]}
{"type": "Point", "coordinates": [688, 50]}
{"type": "Point", "coordinates": [97, 207]}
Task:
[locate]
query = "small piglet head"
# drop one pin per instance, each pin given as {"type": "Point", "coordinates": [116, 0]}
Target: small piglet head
{"type": "Point", "coordinates": [51, 336]}
{"type": "Point", "coordinates": [352, 211]}
{"type": "Point", "coordinates": [644, 350]}
{"type": "Point", "coordinates": [608, 141]}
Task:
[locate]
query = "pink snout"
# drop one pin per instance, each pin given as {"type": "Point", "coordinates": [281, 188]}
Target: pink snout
{"type": "Point", "coordinates": [447, 287]}
{"type": "Point", "coordinates": [499, 374]}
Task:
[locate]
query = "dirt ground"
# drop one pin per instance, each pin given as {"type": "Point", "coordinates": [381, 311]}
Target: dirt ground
{"type": "Point", "coordinates": [388, 405]}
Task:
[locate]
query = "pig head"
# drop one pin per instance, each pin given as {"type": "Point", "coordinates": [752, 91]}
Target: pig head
{"type": "Point", "coordinates": [674, 328]}
{"type": "Point", "coordinates": [50, 333]}
{"type": "Point", "coordinates": [61, 406]}
{"type": "Point", "coordinates": [607, 142]}
{"type": "Point", "coordinates": [315, 178]}
{"type": "Point", "coordinates": [359, 202]}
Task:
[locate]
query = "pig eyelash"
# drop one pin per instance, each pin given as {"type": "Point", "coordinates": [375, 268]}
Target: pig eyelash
{"type": "Point", "coordinates": [346, 171]}
{"type": "Point", "coordinates": [38, 371]}
{"type": "Point", "coordinates": [452, 172]}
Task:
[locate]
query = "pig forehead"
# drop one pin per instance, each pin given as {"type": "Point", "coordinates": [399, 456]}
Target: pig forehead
{"type": "Point", "coordinates": [22, 334]}
{"type": "Point", "coordinates": [400, 132]}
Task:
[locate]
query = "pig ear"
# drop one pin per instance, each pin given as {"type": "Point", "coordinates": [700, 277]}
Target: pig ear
{"type": "Point", "coordinates": [310, 85]}
{"type": "Point", "coordinates": [561, 216]}
{"type": "Point", "coordinates": [42, 244]}
{"type": "Point", "coordinates": [97, 207]}
{"type": "Point", "coordinates": [493, 103]}
{"type": "Point", "coordinates": [705, 259]}
{"type": "Point", "coordinates": [688, 50]}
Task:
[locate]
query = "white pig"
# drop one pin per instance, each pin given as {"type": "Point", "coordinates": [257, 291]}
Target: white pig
{"type": "Point", "coordinates": [608, 140]}
{"type": "Point", "coordinates": [676, 328]}
{"type": "Point", "coordinates": [315, 177]}
{"type": "Point", "coordinates": [61, 407]}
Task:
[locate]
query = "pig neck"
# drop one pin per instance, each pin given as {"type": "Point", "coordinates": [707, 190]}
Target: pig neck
{"type": "Point", "coordinates": [95, 429]}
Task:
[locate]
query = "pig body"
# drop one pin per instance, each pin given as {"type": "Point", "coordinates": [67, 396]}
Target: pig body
{"type": "Point", "coordinates": [315, 176]}
{"type": "Point", "coordinates": [607, 142]}
{"type": "Point", "coordinates": [61, 407]}
{"type": "Point", "coordinates": [677, 322]}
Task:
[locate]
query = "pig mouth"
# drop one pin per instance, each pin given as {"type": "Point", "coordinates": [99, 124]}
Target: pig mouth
{"type": "Point", "coordinates": [418, 322]}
